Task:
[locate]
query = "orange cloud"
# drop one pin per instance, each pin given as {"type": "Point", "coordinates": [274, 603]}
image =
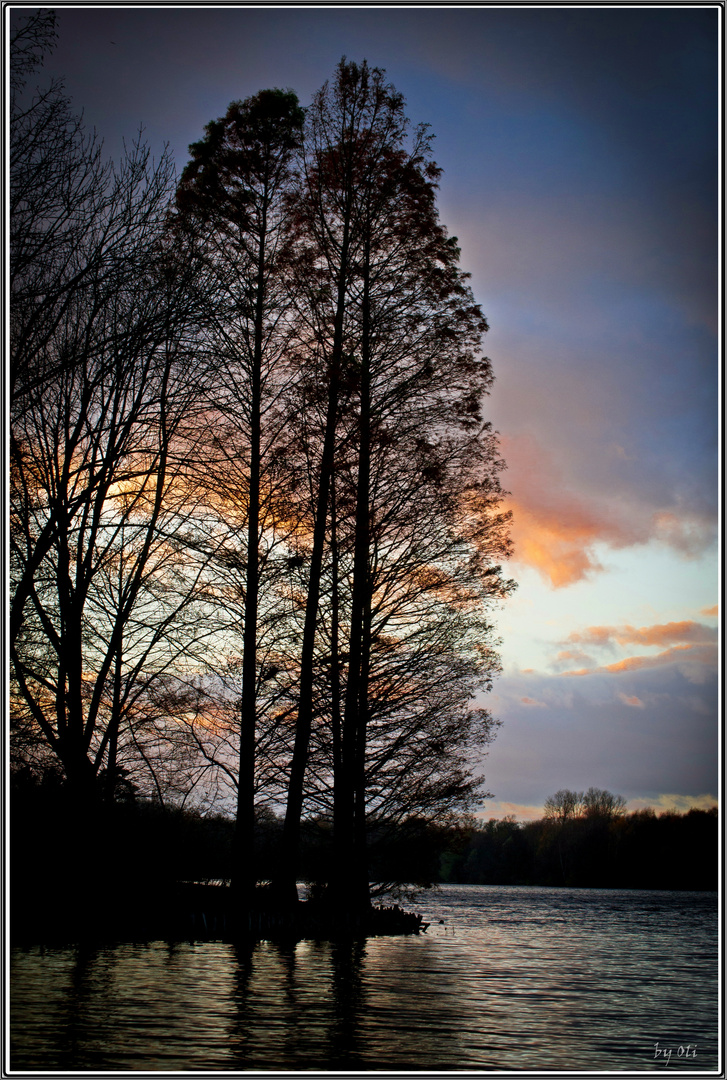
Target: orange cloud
{"type": "Point", "coordinates": [532, 701]}
{"type": "Point", "coordinates": [633, 701]}
{"type": "Point", "coordinates": [497, 810]}
{"type": "Point", "coordinates": [660, 634]}
{"type": "Point", "coordinates": [555, 545]}
{"type": "Point", "coordinates": [698, 653]}
{"type": "Point", "coordinates": [572, 656]}
{"type": "Point", "coordinates": [592, 635]}
{"type": "Point", "coordinates": [555, 530]}
{"type": "Point", "coordinates": [710, 610]}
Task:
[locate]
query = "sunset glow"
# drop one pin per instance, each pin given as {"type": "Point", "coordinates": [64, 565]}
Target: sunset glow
{"type": "Point", "coordinates": [590, 232]}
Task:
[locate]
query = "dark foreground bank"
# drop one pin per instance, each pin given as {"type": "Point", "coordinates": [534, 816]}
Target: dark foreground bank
{"type": "Point", "coordinates": [190, 911]}
{"type": "Point", "coordinates": [126, 871]}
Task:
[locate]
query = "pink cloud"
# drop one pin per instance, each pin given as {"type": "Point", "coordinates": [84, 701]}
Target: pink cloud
{"type": "Point", "coordinates": [496, 810]}
{"type": "Point", "coordinates": [686, 631]}
{"type": "Point", "coordinates": [693, 655]}
{"type": "Point", "coordinates": [632, 700]}
{"type": "Point", "coordinates": [555, 529]}
{"type": "Point", "coordinates": [573, 656]}
{"type": "Point", "coordinates": [679, 532]}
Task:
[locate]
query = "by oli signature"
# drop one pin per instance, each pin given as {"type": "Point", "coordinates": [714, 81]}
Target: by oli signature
{"type": "Point", "coordinates": [688, 1051]}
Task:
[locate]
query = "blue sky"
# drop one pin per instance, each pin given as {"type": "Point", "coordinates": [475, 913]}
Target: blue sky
{"type": "Point", "coordinates": [580, 156]}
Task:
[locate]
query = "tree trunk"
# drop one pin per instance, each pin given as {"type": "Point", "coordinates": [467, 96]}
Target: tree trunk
{"type": "Point", "coordinates": [336, 726]}
{"type": "Point", "coordinates": [114, 723]}
{"type": "Point", "coordinates": [244, 870]}
{"type": "Point", "coordinates": [360, 870]}
{"type": "Point", "coordinates": [286, 883]}
{"type": "Point", "coordinates": [351, 846]}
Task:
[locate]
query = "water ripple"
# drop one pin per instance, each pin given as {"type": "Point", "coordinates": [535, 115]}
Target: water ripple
{"type": "Point", "coordinates": [516, 979]}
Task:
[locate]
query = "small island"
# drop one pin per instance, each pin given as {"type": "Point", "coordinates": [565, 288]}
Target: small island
{"type": "Point", "coordinates": [145, 871]}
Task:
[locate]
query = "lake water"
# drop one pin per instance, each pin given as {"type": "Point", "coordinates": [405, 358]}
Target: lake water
{"type": "Point", "coordinates": [511, 978]}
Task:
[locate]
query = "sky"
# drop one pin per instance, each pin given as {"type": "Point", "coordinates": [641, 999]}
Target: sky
{"type": "Point", "coordinates": [580, 155]}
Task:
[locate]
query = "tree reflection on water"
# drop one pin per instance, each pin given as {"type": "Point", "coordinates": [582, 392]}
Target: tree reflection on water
{"type": "Point", "coordinates": [514, 979]}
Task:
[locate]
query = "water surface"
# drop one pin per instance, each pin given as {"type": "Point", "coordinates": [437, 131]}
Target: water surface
{"type": "Point", "coordinates": [505, 978]}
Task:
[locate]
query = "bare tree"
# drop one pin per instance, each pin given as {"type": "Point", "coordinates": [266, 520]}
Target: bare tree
{"type": "Point", "coordinates": [67, 225]}
{"type": "Point", "coordinates": [602, 804]}
{"type": "Point", "coordinates": [95, 525]}
{"type": "Point", "coordinates": [564, 805]}
{"type": "Point", "coordinates": [99, 526]}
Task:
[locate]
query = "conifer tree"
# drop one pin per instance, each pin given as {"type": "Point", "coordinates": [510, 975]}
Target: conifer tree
{"type": "Point", "coordinates": [232, 203]}
{"type": "Point", "coordinates": [394, 338]}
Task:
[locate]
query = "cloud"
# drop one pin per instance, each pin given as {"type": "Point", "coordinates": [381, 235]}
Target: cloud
{"type": "Point", "coordinates": [532, 701]}
{"type": "Point", "coordinates": [556, 528]}
{"type": "Point", "coordinates": [593, 732]}
{"type": "Point", "coordinates": [632, 700]}
{"type": "Point", "coordinates": [600, 636]}
{"type": "Point", "coordinates": [686, 631]}
{"type": "Point", "coordinates": [680, 803]}
{"type": "Point", "coordinates": [692, 660]}
{"type": "Point", "coordinates": [691, 646]}
{"type": "Point", "coordinates": [573, 656]}
{"type": "Point", "coordinates": [496, 810]}
{"type": "Point", "coordinates": [710, 611]}
{"type": "Point", "coordinates": [558, 539]}
{"type": "Point", "coordinates": [556, 543]}
{"type": "Point", "coordinates": [679, 533]}
{"type": "Point", "coordinates": [553, 530]}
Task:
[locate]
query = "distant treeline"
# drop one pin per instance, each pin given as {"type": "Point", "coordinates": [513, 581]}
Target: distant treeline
{"type": "Point", "coordinates": [140, 844]}
{"type": "Point", "coordinates": [641, 850]}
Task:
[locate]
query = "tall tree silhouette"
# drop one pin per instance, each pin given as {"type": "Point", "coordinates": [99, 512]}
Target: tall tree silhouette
{"type": "Point", "coordinates": [394, 335]}
{"type": "Point", "coordinates": [255, 524]}
{"type": "Point", "coordinates": [233, 193]}
{"type": "Point", "coordinates": [352, 124]}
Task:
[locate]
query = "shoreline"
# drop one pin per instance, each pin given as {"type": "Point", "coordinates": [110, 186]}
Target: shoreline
{"type": "Point", "coordinates": [193, 912]}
